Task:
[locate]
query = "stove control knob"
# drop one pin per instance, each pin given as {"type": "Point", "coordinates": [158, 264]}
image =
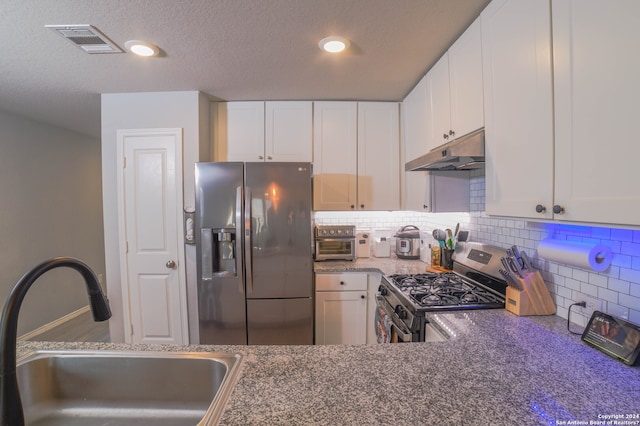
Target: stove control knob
{"type": "Point", "coordinates": [401, 312]}
{"type": "Point", "coordinates": [383, 290]}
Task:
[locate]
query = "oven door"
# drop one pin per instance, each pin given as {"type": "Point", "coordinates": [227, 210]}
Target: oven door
{"type": "Point", "coordinates": [389, 328]}
{"type": "Point", "coordinates": [335, 248]}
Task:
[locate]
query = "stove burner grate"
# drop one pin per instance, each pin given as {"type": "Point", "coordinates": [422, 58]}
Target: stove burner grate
{"type": "Point", "coordinates": [443, 289]}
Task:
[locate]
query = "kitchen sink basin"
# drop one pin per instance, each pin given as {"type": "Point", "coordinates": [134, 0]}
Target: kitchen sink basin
{"type": "Point", "coordinates": [126, 387]}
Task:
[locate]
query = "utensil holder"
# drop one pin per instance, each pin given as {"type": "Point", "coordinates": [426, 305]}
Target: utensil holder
{"type": "Point", "coordinates": [533, 299]}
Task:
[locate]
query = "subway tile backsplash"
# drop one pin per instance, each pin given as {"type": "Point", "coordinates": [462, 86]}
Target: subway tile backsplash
{"type": "Point", "coordinates": [618, 287]}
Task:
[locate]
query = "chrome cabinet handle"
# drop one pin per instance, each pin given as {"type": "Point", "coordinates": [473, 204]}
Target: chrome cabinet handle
{"type": "Point", "coordinates": [558, 209]}
{"type": "Point", "coordinates": [540, 208]}
{"type": "Point", "coordinates": [171, 264]}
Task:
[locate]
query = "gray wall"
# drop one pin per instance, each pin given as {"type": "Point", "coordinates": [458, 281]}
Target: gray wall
{"type": "Point", "coordinates": [50, 187]}
{"type": "Point", "coordinates": [186, 110]}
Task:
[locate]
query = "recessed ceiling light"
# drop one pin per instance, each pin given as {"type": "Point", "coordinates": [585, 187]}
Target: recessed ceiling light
{"type": "Point", "coordinates": [334, 44]}
{"type": "Point", "coordinates": [142, 48]}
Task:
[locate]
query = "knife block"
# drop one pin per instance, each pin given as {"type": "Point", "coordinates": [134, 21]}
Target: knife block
{"type": "Point", "coordinates": [533, 299]}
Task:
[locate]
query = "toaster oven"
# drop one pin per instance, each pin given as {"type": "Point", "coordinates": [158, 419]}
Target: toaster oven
{"type": "Point", "coordinates": [335, 242]}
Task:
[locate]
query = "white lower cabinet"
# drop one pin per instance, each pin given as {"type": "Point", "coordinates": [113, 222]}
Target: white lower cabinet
{"type": "Point", "coordinates": [341, 308]}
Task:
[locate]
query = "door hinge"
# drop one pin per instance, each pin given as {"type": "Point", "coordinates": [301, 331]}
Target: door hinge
{"type": "Point", "coordinates": [126, 247]}
{"type": "Point", "coordinates": [124, 162]}
{"type": "Point", "coordinates": [131, 326]}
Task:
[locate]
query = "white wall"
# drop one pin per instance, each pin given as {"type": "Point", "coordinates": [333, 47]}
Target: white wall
{"type": "Point", "coordinates": [51, 206]}
{"type": "Point", "coordinates": [144, 111]}
{"type": "Point", "coordinates": [618, 287]}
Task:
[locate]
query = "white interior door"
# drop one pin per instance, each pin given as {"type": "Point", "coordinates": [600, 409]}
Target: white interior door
{"type": "Point", "coordinates": [154, 293]}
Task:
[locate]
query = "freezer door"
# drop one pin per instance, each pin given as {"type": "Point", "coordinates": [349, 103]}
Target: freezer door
{"type": "Point", "coordinates": [278, 200]}
{"type": "Point", "coordinates": [280, 321]}
{"type": "Point", "coordinates": [218, 221]}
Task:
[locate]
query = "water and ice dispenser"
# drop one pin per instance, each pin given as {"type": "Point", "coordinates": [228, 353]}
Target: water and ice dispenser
{"type": "Point", "coordinates": [218, 252]}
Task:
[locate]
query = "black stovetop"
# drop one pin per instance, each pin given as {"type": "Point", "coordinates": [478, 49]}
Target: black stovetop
{"type": "Point", "coordinates": [444, 291]}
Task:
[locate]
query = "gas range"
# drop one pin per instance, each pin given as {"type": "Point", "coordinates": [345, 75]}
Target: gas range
{"type": "Point", "coordinates": [475, 283]}
{"type": "Point", "coordinates": [444, 291]}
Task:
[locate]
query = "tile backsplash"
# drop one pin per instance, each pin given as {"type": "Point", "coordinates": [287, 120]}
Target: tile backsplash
{"type": "Point", "coordinates": [618, 287]}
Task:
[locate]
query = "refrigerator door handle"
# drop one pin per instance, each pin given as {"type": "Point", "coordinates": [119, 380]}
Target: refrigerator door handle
{"type": "Point", "coordinates": [238, 241]}
{"type": "Point", "coordinates": [248, 259]}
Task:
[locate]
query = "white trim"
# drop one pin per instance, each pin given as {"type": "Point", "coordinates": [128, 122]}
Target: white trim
{"type": "Point", "coordinates": [53, 324]}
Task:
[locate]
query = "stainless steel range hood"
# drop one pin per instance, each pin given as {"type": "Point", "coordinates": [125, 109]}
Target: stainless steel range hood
{"type": "Point", "coordinates": [464, 153]}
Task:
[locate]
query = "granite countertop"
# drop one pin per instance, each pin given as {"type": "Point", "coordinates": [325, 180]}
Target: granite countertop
{"type": "Point", "coordinates": [386, 265]}
{"type": "Point", "coordinates": [500, 369]}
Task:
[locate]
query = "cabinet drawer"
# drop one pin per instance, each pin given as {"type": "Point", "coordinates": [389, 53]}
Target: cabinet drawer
{"type": "Point", "coordinates": [341, 282]}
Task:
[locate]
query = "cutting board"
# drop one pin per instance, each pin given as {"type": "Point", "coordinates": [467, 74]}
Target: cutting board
{"type": "Point", "coordinates": [533, 299]}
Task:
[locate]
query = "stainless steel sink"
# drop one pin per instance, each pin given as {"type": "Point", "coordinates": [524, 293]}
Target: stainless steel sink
{"type": "Point", "coordinates": [126, 388]}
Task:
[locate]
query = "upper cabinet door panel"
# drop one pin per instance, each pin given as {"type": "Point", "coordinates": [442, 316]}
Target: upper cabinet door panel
{"type": "Point", "coordinates": [335, 155]}
{"type": "Point", "coordinates": [288, 131]}
{"type": "Point", "coordinates": [439, 107]}
{"type": "Point", "coordinates": [465, 81]}
{"type": "Point", "coordinates": [596, 71]}
{"type": "Point", "coordinates": [516, 59]}
{"type": "Point", "coordinates": [239, 131]}
{"type": "Point", "coordinates": [378, 156]}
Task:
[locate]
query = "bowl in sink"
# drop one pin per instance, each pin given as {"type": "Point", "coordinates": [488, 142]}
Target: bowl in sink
{"type": "Point", "coordinates": [78, 387]}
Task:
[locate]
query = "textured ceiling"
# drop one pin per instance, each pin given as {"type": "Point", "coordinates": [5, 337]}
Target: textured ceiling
{"type": "Point", "coordinates": [228, 49]}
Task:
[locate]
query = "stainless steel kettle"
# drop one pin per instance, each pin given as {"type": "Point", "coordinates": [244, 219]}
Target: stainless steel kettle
{"type": "Point", "coordinates": [408, 242]}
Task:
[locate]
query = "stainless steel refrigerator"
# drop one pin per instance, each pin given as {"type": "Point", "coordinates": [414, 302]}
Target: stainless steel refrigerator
{"type": "Point", "coordinates": [254, 253]}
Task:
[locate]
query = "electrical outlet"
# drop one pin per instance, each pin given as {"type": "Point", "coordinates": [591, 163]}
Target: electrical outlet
{"type": "Point", "coordinates": [593, 304]}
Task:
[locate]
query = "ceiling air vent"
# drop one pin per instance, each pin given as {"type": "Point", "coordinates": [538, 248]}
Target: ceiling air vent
{"type": "Point", "coordinates": [86, 37]}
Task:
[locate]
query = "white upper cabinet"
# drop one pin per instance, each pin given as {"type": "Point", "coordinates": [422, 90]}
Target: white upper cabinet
{"type": "Point", "coordinates": [356, 156]}
{"type": "Point", "coordinates": [378, 156]}
{"type": "Point", "coordinates": [465, 81]}
{"type": "Point", "coordinates": [263, 131]}
{"type": "Point", "coordinates": [288, 135]}
{"type": "Point", "coordinates": [454, 90]}
{"type": "Point", "coordinates": [559, 148]}
{"type": "Point", "coordinates": [239, 131]}
{"type": "Point", "coordinates": [596, 70]}
{"type": "Point", "coordinates": [335, 155]}
{"type": "Point", "coordinates": [427, 191]}
{"type": "Point", "coordinates": [516, 50]}
{"type": "Point", "coordinates": [414, 144]}
{"type": "Point", "coordinates": [439, 104]}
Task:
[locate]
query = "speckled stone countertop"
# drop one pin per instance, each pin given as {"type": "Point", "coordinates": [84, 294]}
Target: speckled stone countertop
{"type": "Point", "coordinates": [500, 369]}
{"type": "Point", "coordinates": [386, 265]}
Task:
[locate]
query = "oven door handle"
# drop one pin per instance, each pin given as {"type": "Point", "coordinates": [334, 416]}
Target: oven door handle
{"type": "Point", "coordinates": [393, 325]}
{"type": "Point", "coordinates": [402, 336]}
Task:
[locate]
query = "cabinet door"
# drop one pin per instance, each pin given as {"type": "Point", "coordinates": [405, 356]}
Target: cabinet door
{"type": "Point", "coordinates": [516, 58]}
{"type": "Point", "coordinates": [288, 131]}
{"type": "Point", "coordinates": [439, 104]}
{"type": "Point", "coordinates": [378, 156]}
{"type": "Point", "coordinates": [465, 82]}
{"type": "Point", "coordinates": [239, 131]}
{"type": "Point", "coordinates": [414, 144]}
{"type": "Point", "coordinates": [341, 317]}
{"type": "Point", "coordinates": [596, 69]}
{"type": "Point", "coordinates": [334, 155]}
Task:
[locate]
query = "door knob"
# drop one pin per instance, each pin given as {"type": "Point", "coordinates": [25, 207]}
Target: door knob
{"type": "Point", "coordinates": [171, 264]}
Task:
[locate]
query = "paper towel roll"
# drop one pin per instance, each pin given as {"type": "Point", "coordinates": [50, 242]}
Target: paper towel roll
{"type": "Point", "coordinates": [583, 255]}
